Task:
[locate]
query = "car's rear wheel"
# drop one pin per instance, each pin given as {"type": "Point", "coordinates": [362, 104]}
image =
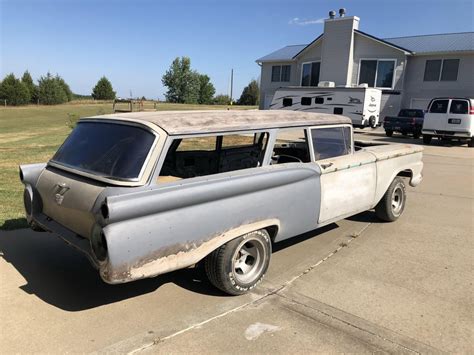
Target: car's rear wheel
{"type": "Point", "coordinates": [392, 204]}
{"type": "Point", "coordinates": [470, 142]}
{"type": "Point", "coordinates": [427, 139]}
{"type": "Point", "coordinates": [240, 264]}
{"type": "Point", "coordinates": [388, 133]}
{"type": "Point", "coordinates": [416, 135]}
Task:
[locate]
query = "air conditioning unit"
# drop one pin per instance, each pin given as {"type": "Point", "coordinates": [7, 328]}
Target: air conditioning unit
{"type": "Point", "coordinates": [364, 85]}
{"type": "Point", "coordinates": [326, 84]}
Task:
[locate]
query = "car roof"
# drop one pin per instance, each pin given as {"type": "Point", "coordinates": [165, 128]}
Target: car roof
{"type": "Point", "coordinates": [220, 121]}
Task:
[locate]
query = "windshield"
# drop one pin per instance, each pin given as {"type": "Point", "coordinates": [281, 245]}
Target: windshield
{"type": "Point", "coordinates": [111, 150]}
{"type": "Point", "coordinates": [411, 113]}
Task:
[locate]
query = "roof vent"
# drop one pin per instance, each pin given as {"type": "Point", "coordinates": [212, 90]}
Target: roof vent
{"type": "Point", "coordinates": [332, 14]}
{"type": "Point", "coordinates": [342, 12]}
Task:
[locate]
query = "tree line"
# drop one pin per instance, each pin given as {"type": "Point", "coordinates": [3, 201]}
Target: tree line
{"type": "Point", "coordinates": [184, 85]}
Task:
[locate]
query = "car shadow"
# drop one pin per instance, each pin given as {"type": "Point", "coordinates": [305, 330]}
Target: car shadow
{"type": "Point", "coordinates": [64, 278]}
{"type": "Point", "coordinates": [379, 136]}
{"type": "Point", "coordinates": [276, 247]}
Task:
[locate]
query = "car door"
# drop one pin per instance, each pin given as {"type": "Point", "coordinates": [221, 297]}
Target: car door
{"type": "Point", "coordinates": [348, 178]}
{"type": "Point", "coordinates": [436, 118]}
{"type": "Point", "coordinates": [458, 118]}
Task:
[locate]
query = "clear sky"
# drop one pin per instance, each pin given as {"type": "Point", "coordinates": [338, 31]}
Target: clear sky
{"type": "Point", "coordinates": [134, 42]}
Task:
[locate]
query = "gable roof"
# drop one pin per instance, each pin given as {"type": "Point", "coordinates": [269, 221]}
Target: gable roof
{"type": "Point", "coordinates": [421, 44]}
{"type": "Point", "coordinates": [285, 53]}
{"type": "Point", "coordinates": [443, 42]}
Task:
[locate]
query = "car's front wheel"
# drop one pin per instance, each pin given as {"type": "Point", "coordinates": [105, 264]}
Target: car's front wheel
{"type": "Point", "coordinates": [470, 142]}
{"type": "Point", "coordinates": [239, 265]}
{"type": "Point", "coordinates": [427, 139]}
{"type": "Point", "coordinates": [388, 133]}
{"type": "Point", "coordinates": [392, 204]}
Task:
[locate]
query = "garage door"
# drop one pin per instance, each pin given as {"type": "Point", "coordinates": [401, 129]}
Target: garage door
{"type": "Point", "coordinates": [421, 104]}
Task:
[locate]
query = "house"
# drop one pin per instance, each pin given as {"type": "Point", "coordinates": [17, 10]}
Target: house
{"type": "Point", "coordinates": [409, 70]}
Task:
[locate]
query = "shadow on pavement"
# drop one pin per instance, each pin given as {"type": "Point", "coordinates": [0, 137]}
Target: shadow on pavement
{"type": "Point", "coordinates": [64, 278]}
{"type": "Point", "coordinates": [379, 136]}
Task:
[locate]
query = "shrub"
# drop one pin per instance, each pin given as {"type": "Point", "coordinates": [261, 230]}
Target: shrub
{"type": "Point", "coordinates": [103, 90]}
{"type": "Point", "coordinates": [32, 88]}
{"type": "Point", "coordinates": [14, 91]}
{"type": "Point", "coordinates": [52, 90]}
{"type": "Point", "coordinates": [222, 100]}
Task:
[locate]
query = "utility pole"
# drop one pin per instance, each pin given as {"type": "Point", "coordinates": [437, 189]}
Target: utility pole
{"type": "Point", "coordinates": [231, 84]}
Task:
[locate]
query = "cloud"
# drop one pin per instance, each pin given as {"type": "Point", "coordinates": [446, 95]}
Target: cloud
{"type": "Point", "coordinates": [304, 22]}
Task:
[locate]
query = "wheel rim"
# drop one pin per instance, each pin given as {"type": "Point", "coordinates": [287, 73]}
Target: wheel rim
{"type": "Point", "coordinates": [248, 261]}
{"type": "Point", "coordinates": [397, 200]}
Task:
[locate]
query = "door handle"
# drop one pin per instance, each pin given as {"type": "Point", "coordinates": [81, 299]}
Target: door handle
{"type": "Point", "coordinates": [327, 165]}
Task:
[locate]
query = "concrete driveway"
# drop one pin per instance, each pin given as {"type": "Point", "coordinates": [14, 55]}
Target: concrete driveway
{"type": "Point", "coordinates": [355, 286]}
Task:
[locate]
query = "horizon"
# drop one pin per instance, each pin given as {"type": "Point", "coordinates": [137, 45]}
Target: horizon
{"type": "Point", "coordinates": [133, 44]}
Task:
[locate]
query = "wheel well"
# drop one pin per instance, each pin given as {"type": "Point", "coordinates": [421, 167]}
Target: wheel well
{"type": "Point", "coordinates": [406, 173]}
{"type": "Point", "coordinates": [272, 231]}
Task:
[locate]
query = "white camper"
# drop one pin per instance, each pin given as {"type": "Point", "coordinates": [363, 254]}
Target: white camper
{"type": "Point", "coordinates": [361, 104]}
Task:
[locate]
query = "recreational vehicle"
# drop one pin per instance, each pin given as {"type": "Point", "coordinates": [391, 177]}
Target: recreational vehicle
{"type": "Point", "coordinates": [361, 104]}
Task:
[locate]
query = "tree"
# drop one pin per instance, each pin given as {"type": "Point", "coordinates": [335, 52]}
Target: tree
{"type": "Point", "coordinates": [206, 90]}
{"type": "Point", "coordinates": [183, 83]}
{"type": "Point", "coordinates": [222, 100]}
{"type": "Point", "coordinates": [103, 90]}
{"type": "Point", "coordinates": [14, 91]}
{"type": "Point", "coordinates": [51, 90]}
{"type": "Point", "coordinates": [32, 88]}
{"type": "Point", "coordinates": [65, 87]}
{"type": "Point", "coordinates": [249, 94]}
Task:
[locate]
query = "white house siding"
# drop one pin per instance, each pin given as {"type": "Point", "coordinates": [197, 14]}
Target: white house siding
{"type": "Point", "coordinates": [267, 87]}
{"type": "Point", "coordinates": [418, 92]}
{"type": "Point", "coordinates": [367, 48]}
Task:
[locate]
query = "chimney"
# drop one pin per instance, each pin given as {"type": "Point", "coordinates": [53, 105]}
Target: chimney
{"type": "Point", "coordinates": [337, 48]}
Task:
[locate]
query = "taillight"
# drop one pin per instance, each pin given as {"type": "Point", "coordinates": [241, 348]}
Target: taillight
{"type": "Point", "coordinates": [414, 120]}
{"type": "Point", "coordinates": [471, 111]}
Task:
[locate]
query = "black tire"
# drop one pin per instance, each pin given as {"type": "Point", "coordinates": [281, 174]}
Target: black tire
{"type": "Point", "coordinates": [470, 142]}
{"type": "Point", "coordinates": [417, 135]}
{"type": "Point", "coordinates": [252, 251]}
{"type": "Point", "coordinates": [392, 204]}
{"type": "Point", "coordinates": [427, 139]}
{"type": "Point", "coordinates": [372, 122]}
{"type": "Point", "coordinates": [388, 133]}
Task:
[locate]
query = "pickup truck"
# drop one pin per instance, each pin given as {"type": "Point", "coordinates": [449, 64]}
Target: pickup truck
{"type": "Point", "coordinates": [145, 193]}
{"type": "Point", "coordinates": [408, 121]}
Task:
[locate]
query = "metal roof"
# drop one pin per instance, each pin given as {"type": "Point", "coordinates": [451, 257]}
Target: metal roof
{"type": "Point", "coordinates": [444, 42]}
{"type": "Point", "coordinates": [219, 121]}
{"type": "Point", "coordinates": [285, 53]}
{"type": "Point", "coordinates": [437, 43]}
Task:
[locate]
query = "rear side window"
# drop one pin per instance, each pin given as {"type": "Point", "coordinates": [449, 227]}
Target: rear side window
{"type": "Point", "coordinates": [110, 150]}
{"type": "Point", "coordinates": [460, 107]}
{"type": "Point", "coordinates": [439, 106]}
{"type": "Point", "coordinates": [411, 113]}
{"type": "Point", "coordinates": [331, 142]}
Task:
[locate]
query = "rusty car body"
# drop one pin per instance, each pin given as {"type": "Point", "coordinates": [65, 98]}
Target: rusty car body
{"type": "Point", "coordinates": [134, 194]}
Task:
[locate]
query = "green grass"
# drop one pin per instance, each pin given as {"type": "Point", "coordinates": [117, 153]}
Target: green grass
{"type": "Point", "coordinates": [32, 134]}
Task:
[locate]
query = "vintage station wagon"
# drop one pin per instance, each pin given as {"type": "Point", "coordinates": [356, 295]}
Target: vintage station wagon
{"type": "Point", "coordinates": [146, 193]}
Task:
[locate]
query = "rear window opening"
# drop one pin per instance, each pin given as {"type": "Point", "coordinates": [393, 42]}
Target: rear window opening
{"type": "Point", "coordinates": [439, 106]}
{"type": "Point", "coordinates": [460, 107]}
{"type": "Point", "coordinates": [111, 150]}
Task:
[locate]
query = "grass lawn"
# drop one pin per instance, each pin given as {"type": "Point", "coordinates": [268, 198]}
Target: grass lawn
{"type": "Point", "coordinates": [32, 134]}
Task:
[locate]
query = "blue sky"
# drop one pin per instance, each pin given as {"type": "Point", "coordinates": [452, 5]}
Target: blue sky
{"type": "Point", "coordinates": [134, 42]}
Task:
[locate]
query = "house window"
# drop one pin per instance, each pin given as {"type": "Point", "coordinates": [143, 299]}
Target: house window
{"type": "Point", "coordinates": [377, 73]}
{"type": "Point", "coordinates": [281, 73]}
{"type": "Point", "coordinates": [441, 70]}
{"type": "Point", "coordinates": [310, 74]}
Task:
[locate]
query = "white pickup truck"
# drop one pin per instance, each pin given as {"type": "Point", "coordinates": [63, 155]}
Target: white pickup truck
{"type": "Point", "coordinates": [449, 118]}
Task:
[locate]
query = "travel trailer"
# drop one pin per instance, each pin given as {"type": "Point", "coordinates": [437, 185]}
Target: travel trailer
{"type": "Point", "coordinates": [361, 104]}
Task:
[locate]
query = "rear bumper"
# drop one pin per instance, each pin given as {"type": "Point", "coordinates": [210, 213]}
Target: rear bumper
{"type": "Point", "coordinates": [447, 134]}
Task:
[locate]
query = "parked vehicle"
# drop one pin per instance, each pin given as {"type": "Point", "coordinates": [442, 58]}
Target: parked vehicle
{"type": "Point", "coordinates": [408, 121]}
{"type": "Point", "coordinates": [361, 104]}
{"type": "Point", "coordinates": [146, 193]}
{"type": "Point", "coordinates": [450, 118]}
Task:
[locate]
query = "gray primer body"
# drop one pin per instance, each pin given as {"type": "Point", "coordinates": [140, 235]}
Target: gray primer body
{"type": "Point", "coordinates": [156, 228]}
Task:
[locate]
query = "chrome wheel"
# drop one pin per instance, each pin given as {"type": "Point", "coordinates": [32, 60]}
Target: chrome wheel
{"type": "Point", "coordinates": [248, 261]}
{"type": "Point", "coordinates": [398, 197]}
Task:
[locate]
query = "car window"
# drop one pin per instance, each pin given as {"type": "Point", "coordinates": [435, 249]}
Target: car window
{"type": "Point", "coordinates": [106, 149]}
{"type": "Point", "coordinates": [411, 113]}
{"type": "Point", "coordinates": [331, 142]}
{"type": "Point", "coordinates": [291, 146]}
{"type": "Point", "coordinates": [439, 106]}
{"type": "Point", "coordinates": [208, 155]}
{"type": "Point", "coordinates": [459, 107]}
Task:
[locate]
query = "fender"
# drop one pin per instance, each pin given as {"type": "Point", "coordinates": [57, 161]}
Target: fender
{"type": "Point", "coordinates": [178, 256]}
